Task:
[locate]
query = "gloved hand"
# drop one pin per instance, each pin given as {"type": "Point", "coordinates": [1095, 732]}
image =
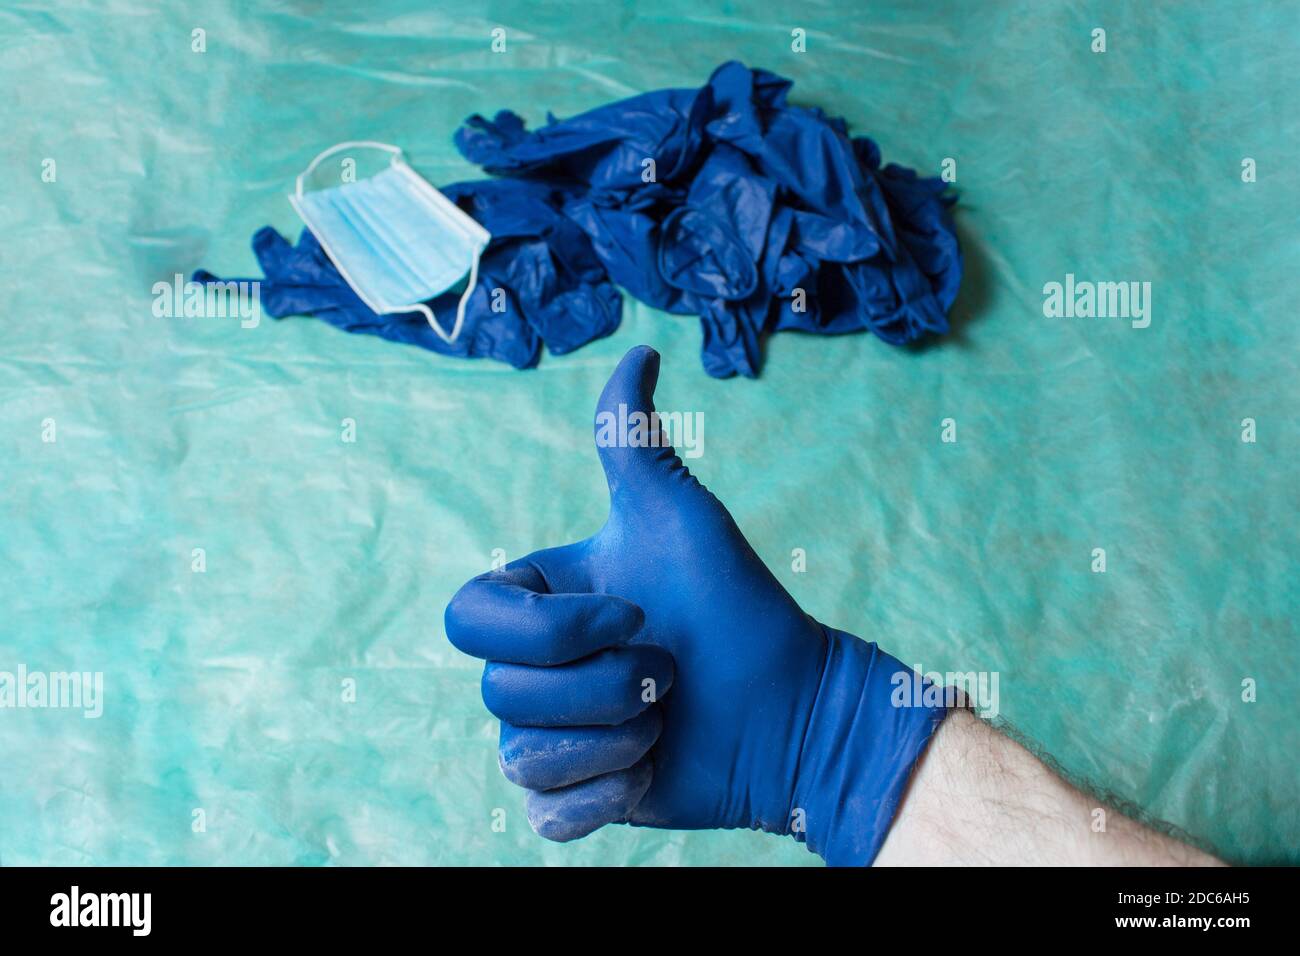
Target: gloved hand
{"type": "Point", "coordinates": [658, 674]}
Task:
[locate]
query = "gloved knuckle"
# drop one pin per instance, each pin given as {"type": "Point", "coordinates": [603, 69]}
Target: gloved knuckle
{"type": "Point", "coordinates": [517, 768]}
{"type": "Point", "coordinates": [546, 817]}
{"type": "Point", "coordinates": [453, 621]}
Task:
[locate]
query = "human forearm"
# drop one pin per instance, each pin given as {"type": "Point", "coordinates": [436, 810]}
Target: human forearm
{"type": "Point", "coordinates": [979, 798]}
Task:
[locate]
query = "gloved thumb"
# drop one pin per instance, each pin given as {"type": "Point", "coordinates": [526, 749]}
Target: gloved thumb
{"type": "Point", "coordinates": [633, 449]}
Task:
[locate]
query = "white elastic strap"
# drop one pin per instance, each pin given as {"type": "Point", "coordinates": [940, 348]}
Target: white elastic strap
{"type": "Point", "coordinates": [460, 308]}
{"type": "Point", "coordinates": [350, 144]}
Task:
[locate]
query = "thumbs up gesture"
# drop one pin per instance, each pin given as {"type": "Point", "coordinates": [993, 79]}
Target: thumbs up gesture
{"type": "Point", "coordinates": [658, 674]}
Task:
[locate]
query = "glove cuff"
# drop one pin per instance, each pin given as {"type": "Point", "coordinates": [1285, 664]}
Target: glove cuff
{"type": "Point", "coordinates": [870, 724]}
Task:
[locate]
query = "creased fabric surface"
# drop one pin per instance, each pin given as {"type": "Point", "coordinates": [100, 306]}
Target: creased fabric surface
{"type": "Point", "coordinates": [330, 561]}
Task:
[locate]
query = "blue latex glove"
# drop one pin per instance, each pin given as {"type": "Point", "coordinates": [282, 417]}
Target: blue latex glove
{"type": "Point", "coordinates": [658, 674]}
{"type": "Point", "coordinates": [539, 265]}
{"type": "Point", "coordinates": [752, 198]}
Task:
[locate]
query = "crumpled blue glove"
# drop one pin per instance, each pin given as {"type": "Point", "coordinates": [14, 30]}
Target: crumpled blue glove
{"type": "Point", "coordinates": [658, 674]}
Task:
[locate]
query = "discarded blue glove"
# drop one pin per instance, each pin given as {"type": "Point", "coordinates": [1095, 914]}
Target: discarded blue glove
{"type": "Point", "coordinates": [724, 202]}
{"type": "Point", "coordinates": [658, 674]}
{"type": "Point", "coordinates": [727, 202]}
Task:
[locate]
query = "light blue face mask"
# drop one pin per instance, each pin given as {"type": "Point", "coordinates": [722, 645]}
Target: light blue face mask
{"type": "Point", "coordinates": [396, 240]}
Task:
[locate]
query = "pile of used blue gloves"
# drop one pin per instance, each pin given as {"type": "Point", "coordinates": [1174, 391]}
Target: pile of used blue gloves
{"type": "Point", "coordinates": [723, 202]}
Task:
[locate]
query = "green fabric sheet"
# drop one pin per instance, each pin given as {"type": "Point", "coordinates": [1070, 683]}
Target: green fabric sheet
{"type": "Point", "coordinates": [328, 563]}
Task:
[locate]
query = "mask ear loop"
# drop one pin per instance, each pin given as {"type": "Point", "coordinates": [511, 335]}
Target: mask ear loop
{"type": "Point", "coordinates": [460, 308]}
{"type": "Point", "coordinates": [338, 147]}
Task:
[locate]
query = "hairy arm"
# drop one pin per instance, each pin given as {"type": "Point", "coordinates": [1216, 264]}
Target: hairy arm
{"type": "Point", "coordinates": [979, 798]}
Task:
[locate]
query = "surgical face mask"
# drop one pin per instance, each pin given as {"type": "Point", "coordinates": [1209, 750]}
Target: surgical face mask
{"type": "Point", "coordinates": [396, 240]}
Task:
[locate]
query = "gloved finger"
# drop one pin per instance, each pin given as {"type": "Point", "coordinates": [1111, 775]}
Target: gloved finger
{"type": "Point", "coordinates": [608, 687]}
{"type": "Point", "coordinates": [574, 811]}
{"type": "Point", "coordinates": [509, 615]}
{"type": "Point", "coordinates": [543, 758]}
{"type": "Point", "coordinates": [633, 448]}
